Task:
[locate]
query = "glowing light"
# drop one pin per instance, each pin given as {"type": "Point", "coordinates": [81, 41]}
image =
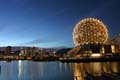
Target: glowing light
{"type": "Point", "coordinates": [102, 50]}
{"type": "Point", "coordinates": [96, 55]}
{"type": "Point", "coordinates": [91, 31]}
{"type": "Point", "coordinates": [113, 48]}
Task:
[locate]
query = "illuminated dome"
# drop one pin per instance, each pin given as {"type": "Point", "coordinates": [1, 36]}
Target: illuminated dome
{"type": "Point", "coordinates": [90, 31]}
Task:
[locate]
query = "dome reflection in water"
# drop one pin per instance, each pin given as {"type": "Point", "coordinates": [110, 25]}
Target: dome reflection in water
{"type": "Point", "coordinates": [95, 69]}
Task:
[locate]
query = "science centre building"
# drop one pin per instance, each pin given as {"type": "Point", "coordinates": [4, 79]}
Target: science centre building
{"type": "Point", "coordinates": [90, 37]}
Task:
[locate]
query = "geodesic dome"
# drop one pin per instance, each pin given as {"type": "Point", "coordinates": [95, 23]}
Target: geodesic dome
{"type": "Point", "coordinates": [90, 31]}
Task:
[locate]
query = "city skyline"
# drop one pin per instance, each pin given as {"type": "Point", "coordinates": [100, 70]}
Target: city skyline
{"type": "Point", "coordinates": [49, 24]}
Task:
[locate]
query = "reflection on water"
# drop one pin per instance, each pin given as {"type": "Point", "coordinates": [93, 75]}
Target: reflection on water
{"type": "Point", "coordinates": [96, 69]}
{"type": "Point", "coordinates": [29, 70]}
{"type": "Point", "coordinates": [111, 67]}
{"type": "Point", "coordinates": [78, 71]}
{"type": "Point", "coordinates": [93, 68]}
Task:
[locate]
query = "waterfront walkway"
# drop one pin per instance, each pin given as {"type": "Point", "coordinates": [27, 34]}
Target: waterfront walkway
{"type": "Point", "coordinates": [104, 76]}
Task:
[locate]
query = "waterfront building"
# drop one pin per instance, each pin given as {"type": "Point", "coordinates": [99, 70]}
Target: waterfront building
{"type": "Point", "coordinates": [51, 52]}
{"type": "Point", "coordinates": [22, 52]}
{"type": "Point", "coordinates": [28, 51]}
{"type": "Point", "coordinates": [90, 37]}
{"type": "Point", "coordinates": [42, 52]}
{"type": "Point", "coordinates": [33, 50]}
{"type": "Point", "coordinates": [95, 50]}
{"type": "Point", "coordinates": [8, 50]}
{"type": "Point", "coordinates": [90, 31]}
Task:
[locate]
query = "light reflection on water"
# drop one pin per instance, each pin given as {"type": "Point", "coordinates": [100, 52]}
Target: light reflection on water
{"type": "Point", "coordinates": [30, 70]}
{"type": "Point", "coordinates": [93, 68]}
{"type": "Point", "coordinates": [96, 69]}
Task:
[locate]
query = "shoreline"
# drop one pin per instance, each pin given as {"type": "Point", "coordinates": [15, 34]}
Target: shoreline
{"type": "Point", "coordinates": [111, 59]}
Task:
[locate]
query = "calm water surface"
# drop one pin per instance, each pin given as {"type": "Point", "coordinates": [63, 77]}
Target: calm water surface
{"type": "Point", "coordinates": [30, 70]}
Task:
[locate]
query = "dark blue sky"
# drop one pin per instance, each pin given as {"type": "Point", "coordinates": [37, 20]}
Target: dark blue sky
{"type": "Point", "coordinates": [49, 23]}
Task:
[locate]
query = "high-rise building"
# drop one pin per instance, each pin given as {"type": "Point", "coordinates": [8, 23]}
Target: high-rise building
{"type": "Point", "coordinates": [22, 52]}
{"type": "Point", "coordinates": [33, 50]}
{"type": "Point", "coordinates": [8, 50]}
{"type": "Point", "coordinates": [28, 52]}
{"type": "Point", "coordinates": [51, 52]}
{"type": "Point", "coordinates": [42, 52]}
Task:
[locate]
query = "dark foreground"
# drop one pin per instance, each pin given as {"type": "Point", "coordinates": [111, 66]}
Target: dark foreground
{"type": "Point", "coordinates": [104, 76]}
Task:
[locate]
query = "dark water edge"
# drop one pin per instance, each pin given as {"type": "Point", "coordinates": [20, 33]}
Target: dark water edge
{"type": "Point", "coordinates": [30, 70]}
{"type": "Point", "coordinates": [102, 59]}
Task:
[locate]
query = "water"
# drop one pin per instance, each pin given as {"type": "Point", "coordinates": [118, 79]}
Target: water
{"type": "Point", "coordinates": [30, 70]}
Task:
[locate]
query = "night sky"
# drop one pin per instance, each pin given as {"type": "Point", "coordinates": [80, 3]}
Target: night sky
{"type": "Point", "coordinates": [49, 23]}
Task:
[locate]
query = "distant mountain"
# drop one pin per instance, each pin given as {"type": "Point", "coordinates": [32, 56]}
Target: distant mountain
{"type": "Point", "coordinates": [15, 48]}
